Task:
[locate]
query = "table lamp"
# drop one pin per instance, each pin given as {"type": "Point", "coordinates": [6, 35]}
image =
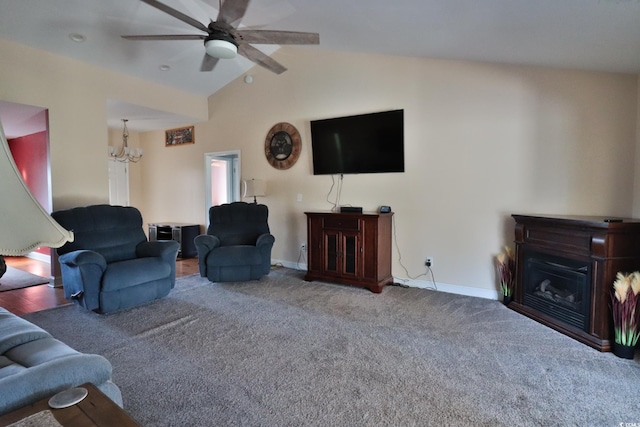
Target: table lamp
{"type": "Point", "coordinates": [255, 187]}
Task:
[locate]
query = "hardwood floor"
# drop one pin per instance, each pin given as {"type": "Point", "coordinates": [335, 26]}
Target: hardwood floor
{"type": "Point", "coordinates": [41, 297]}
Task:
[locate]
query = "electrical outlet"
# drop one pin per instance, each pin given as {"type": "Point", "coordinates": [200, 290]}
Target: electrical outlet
{"type": "Point", "coordinates": [303, 247]}
{"type": "Point", "coordinates": [429, 261]}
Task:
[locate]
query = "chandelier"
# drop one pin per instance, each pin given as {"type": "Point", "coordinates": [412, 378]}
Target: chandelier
{"type": "Point", "coordinates": [125, 154]}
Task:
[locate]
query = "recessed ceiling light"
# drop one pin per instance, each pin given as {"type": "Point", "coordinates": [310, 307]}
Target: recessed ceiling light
{"type": "Point", "coordinates": [164, 67]}
{"type": "Point", "coordinates": [77, 37]}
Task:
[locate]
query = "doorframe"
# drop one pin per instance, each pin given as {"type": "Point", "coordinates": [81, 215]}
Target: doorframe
{"type": "Point", "coordinates": [119, 180]}
{"type": "Point", "coordinates": [220, 155]}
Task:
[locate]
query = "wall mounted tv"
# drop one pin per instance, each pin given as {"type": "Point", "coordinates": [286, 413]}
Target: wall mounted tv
{"type": "Point", "coordinates": [366, 143]}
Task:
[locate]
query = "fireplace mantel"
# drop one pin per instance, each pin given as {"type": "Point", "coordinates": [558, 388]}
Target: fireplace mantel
{"type": "Point", "coordinates": [607, 245]}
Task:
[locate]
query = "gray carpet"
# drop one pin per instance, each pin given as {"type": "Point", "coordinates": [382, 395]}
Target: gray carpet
{"type": "Point", "coordinates": [284, 352]}
{"type": "Point", "coordinates": [15, 279]}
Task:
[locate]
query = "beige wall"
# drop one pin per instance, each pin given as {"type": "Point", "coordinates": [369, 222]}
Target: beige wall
{"type": "Point", "coordinates": [76, 96]}
{"type": "Point", "coordinates": [481, 142]}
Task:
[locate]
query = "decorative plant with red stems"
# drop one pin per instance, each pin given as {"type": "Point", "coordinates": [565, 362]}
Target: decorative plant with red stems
{"type": "Point", "coordinates": [505, 265]}
{"type": "Point", "coordinates": [625, 304]}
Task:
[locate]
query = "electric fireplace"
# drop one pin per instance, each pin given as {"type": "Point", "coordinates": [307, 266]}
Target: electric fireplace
{"type": "Point", "coordinates": [558, 287]}
{"type": "Point", "coordinates": [565, 269]}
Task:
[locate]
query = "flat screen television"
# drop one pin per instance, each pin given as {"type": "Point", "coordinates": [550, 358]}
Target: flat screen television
{"type": "Point", "coordinates": [366, 143]}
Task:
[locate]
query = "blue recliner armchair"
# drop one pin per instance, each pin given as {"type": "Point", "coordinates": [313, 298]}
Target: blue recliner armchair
{"type": "Point", "coordinates": [237, 246]}
{"type": "Point", "coordinates": [110, 265]}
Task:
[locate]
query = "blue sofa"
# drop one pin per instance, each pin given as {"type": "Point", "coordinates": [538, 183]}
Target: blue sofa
{"type": "Point", "coordinates": [34, 365]}
{"type": "Point", "coordinates": [110, 265]}
{"type": "Point", "coordinates": [237, 246]}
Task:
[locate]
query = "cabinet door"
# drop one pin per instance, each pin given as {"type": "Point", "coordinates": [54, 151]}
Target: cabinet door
{"type": "Point", "coordinates": [315, 245]}
{"type": "Point", "coordinates": [370, 249]}
{"type": "Point", "coordinates": [342, 253]}
{"type": "Point", "coordinates": [332, 253]}
{"type": "Point", "coordinates": [350, 254]}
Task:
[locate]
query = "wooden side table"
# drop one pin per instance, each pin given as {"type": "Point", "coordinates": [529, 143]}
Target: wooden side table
{"type": "Point", "coordinates": [94, 410]}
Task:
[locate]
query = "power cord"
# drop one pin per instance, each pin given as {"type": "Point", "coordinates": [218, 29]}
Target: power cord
{"type": "Point", "coordinates": [428, 267]}
{"type": "Point", "coordinates": [333, 184]}
{"type": "Point", "coordinates": [301, 256]}
{"type": "Point", "coordinates": [336, 205]}
{"type": "Point", "coordinates": [433, 279]}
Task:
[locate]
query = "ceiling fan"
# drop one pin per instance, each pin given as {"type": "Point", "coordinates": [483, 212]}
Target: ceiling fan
{"type": "Point", "coordinates": [223, 40]}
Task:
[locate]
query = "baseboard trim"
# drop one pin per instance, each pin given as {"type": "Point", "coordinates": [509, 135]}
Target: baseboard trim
{"type": "Point", "coordinates": [289, 264]}
{"type": "Point", "coordinates": [422, 284]}
{"type": "Point", "coordinates": [39, 257]}
{"type": "Point", "coordinates": [451, 289]}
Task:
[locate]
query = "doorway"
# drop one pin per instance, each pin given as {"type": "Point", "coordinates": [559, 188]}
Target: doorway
{"type": "Point", "coordinates": [118, 183]}
{"type": "Point", "coordinates": [222, 179]}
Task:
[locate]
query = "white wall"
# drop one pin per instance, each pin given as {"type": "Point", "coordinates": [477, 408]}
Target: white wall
{"type": "Point", "coordinates": [482, 141]}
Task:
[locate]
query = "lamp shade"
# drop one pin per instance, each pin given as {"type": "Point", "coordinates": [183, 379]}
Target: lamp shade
{"type": "Point", "coordinates": [24, 224]}
{"type": "Point", "coordinates": [255, 187]}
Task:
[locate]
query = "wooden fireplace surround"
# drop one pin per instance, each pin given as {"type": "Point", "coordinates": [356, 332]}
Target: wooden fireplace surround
{"type": "Point", "coordinates": [609, 246]}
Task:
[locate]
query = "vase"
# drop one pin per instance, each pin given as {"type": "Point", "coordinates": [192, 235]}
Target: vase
{"type": "Point", "coordinates": [624, 351]}
{"type": "Point", "coordinates": [506, 299]}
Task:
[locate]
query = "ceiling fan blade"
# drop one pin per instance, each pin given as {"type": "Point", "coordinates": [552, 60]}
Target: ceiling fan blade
{"type": "Point", "coordinates": [253, 54]}
{"type": "Point", "coordinates": [278, 37]}
{"type": "Point", "coordinates": [176, 14]}
{"type": "Point", "coordinates": [166, 37]}
{"type": "Point", "coordinates": [208, 62]}
{"type": "Point", "coordinates": [232, 11]}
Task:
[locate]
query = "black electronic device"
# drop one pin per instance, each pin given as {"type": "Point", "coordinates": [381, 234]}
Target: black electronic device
{"type": "Point", "coordinates": [366, 143]}
{"type": "Point", "coordinates": [350, 209]}
{"type": "Point", "coordinates": [385, 209]}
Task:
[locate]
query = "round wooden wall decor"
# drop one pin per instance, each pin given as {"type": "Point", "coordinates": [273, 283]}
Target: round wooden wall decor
{"type": "Point", "coordinates": [282, 146]}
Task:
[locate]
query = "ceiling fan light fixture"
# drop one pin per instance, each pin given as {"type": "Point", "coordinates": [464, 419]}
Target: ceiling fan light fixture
{"type": "Point", "coordinates": [220, 49]}
{"type": "Point", "coordinates": [223, 38]}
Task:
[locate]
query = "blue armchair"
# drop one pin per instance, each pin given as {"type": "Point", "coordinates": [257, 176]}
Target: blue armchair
{"type": "Point", "coordinates": [110, 265]}
{"type": "Point", "coordinates": [237, 246]}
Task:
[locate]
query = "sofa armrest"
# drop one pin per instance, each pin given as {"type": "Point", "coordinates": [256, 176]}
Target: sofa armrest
{"type": "Point", "coordinates": [15, 331]}
{"type": "Point", "coordinates": [264, 244]}
{"type": "Point", "coordinates": [82, 272]}
{"type": "Point", "coordinates": [83, 257]}
{"type": "Point", "coordinates": [266, 240]}
{"type": "Point", "coordinates": [49, 378]}
{"type": "Point", "coordinates": [165, 249]}
{"type": "Point", "coordinates": [205, 243]}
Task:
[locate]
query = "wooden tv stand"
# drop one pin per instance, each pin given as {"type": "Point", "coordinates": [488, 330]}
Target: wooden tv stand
{"type": "Point", "coordinates": [350, 248]}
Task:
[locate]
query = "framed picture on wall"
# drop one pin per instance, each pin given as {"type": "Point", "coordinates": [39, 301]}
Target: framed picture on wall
{"type": "Point", "coordinates": [179, 136]}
